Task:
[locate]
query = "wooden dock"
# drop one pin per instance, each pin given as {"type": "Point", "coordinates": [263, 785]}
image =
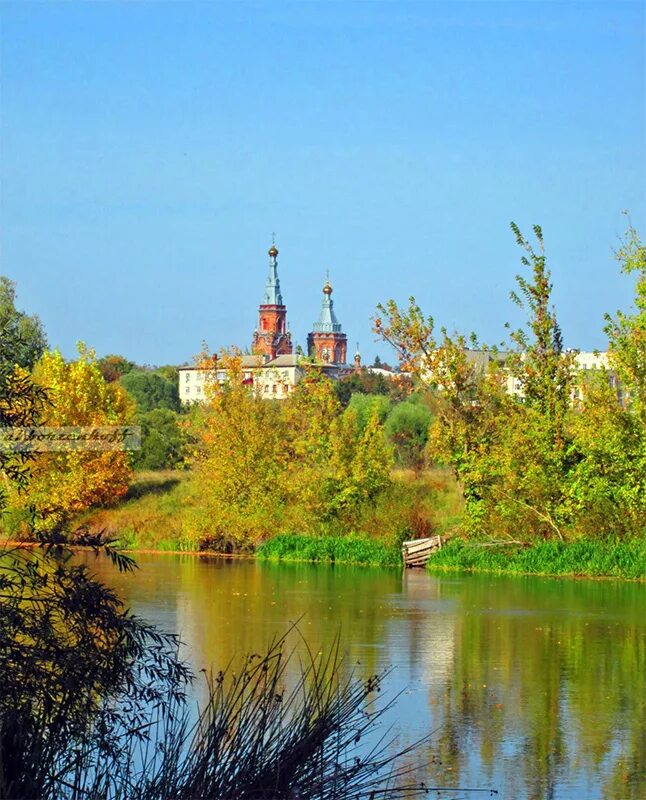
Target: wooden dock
{"type": "Point", "coordinates": [416, 552]}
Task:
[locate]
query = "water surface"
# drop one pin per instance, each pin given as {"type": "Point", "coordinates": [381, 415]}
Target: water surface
{"type": "Point", "coordinates": [534, 687]}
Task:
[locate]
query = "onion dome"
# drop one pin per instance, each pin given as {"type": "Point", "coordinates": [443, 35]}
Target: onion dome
{"type": "Point", "coordinates": [273, 251]}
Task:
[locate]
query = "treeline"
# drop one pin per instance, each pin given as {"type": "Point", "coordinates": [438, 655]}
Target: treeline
{"type": "Point", "coordinates": [567, 457]}
{"type": "Point", "coordinates": [564, 458]}
{"type": "Point", "coordinates": [303, 465]}
{"type": "Point", "coordinates": [319, 462]}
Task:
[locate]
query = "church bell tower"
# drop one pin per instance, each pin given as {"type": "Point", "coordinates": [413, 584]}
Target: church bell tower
{"type": "Point", "coordinates": [327, 342]}
{"type": "Point", "coordinates": [272, 338]}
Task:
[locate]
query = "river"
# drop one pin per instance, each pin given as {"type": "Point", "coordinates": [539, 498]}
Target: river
{"type": "Point", "coordinates": [534, 687]}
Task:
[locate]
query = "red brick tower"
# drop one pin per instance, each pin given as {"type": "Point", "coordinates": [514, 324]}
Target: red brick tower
{"type": "Point", "coordinates": [327, 342]}
{"type": "Point", "coordinates": [272, 338]}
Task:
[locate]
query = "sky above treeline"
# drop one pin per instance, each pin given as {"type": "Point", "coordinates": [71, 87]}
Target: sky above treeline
{"type": "Point", "coordinates": [149, 150]}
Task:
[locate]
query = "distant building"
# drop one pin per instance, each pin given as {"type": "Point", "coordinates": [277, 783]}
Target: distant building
{"type": "Point", "coordinates": [327, 343]}
{"type": "Point", "coordinates": [273, 379]}
{"type": "Point", "coordinates": [272, 338]}
{"type": "Point", "coordinates": [584, 363]}
{"type": "Point", "coordinates": [273, 370]}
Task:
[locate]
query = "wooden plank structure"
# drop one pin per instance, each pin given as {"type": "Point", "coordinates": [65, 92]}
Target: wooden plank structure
{"type": "Point", "coordinates": [416, 552]}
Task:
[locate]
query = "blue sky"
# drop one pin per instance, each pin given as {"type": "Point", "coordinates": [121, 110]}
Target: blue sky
{"type": "Point", "coordinates": [148, 151]}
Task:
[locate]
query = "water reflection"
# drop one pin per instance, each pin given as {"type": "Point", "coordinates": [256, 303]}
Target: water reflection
{"type": "Point", "coordinates": [534, 687]}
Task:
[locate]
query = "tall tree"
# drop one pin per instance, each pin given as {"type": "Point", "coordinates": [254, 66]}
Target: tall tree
{"type": "Point", "coordinates": [627, 331]}
{"type": "Point", "coordinates": [22, 337]}
{"type": "Point", "coordinates": [150, 390]}
{"type": "Point", "coordinates": [65, 482]}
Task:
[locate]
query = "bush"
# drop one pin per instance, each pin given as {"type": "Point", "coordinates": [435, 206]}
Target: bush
{"type": "Point", "coordinates": [150, 390]}
{"type": "Point", "coordinates": [163, 442]}
{"type": "Point", "coordinates": [407, 428]}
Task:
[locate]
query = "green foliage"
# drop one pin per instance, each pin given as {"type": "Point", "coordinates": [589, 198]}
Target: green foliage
{"type": "Point", "coordinates": [164, 442]}
{"type": "Point", "coordinates": [407, 427]}
{"type": "Point", "coordinates": [268, 467]}
{"type": "Point", "coordinates": [601, 557]}
{"type": "Point", "coordinates": [362, 382]}
{"type": "Point", "coordinates": [373, 460]}
{"type": "Point", "coordinates": [351, 549]}
{"type": "Point", "coordinates": [538, 466]}
{"type": "Point", "coordinates": [114, 367]}
{"type": "Point", "coordinates": [22, 337]}
{"type": "Point", "coordinates": [151, 391]}
{"type": "Point", "coordinates": [364, 405]}
{"type": "Point", "coordinates": [627, 332]}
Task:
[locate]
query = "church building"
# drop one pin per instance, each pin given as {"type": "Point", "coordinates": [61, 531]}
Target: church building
{"type": "Point", "coordinates": [272, 338]}
{"type": "Point", "coordinates": [273, 369]}
{"type": "Point", "coordinates": [327, 343]}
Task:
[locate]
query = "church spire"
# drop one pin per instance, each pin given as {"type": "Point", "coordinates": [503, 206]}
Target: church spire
{"type": "Point", "coordinates": [272, 337]}
{"type": "Point", "coordinates": [327, 321]}
{"type": "Point", "coordinates": [326, 341]}
{"type": "Point", "coordinates": [273, 297]}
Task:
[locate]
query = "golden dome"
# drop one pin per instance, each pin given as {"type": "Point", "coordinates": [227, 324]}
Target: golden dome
{"type": "Point", "coordinates": [273, 251]}
{"type": "Point", "coordinates": [327, 289]}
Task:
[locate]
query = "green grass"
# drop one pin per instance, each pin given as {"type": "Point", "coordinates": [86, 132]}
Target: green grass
{"type": "Point", "coordinates": [581, 557]}
{"type": "Point", "coordinates": [352, 549]}
{"type": "Point", "coordinates": [155, 514]}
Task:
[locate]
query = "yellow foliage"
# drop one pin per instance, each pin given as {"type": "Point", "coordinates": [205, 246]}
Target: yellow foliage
{"type": "Point", "coordinates": [64, 483]}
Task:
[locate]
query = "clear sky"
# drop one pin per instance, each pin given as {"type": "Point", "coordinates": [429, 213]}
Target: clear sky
{"type": "Point", "coordinates": [148, 151]}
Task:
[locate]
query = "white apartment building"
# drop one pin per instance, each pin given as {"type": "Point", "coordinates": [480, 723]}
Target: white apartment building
{"type": "Point", "coordinates": [273, 379]}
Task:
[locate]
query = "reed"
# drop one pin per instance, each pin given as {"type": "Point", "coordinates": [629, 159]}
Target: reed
{"type": "Point", "coordinates": [352, 549]}
{"type": "Point", "coordinates": [608, 557]}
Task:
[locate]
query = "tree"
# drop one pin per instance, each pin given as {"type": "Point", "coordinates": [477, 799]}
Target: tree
{"type": "Point", "coordinates": [150, 390]}
{"type": "Point", "coordinates": [373, 460]}
{"type": "Point", "coordinates": [66, 482]}
{"type": "Point", "coordinates": [407, 428]}
{"type": "Point", "coordinates": [21, 405]}
{"type": "Point", "coordinates": [627, 332]}
{"type": "Point", "coordinates": [362, 382]}
{"type": "Point", "coordinates": [22, 337]}
{"type": "Point", "coordinates": [365, 405]}
{"type": "Point", "coordinates": [545, 371]}
{"type": "Point", "coordinates": [163, 441]}
{"type": "Point", "coordinates": [114, 367]}
{"type": "Point", "coordinates": [241, 461]}
{"type": "Point", "coordinates": [512, 458]}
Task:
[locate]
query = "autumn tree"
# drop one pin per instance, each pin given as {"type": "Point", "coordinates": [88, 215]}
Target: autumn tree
{"type": "Point", "coordinates": [114, 366]}
{"type": "Point", "coordinates": [241, 462]}
{"type": "Point", "coordinates": [373, 460]}
{"type": "Point", "coordinates": [511, 457]}
{"type": "Point", "coordinates": [66, 482]}
{"type": "Point", "coordinates": [627, 331]}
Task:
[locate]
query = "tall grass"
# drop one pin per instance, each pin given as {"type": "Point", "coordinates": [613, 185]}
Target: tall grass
{"type": "Point", "coordinates": [352, 549]}
{"type": "Point", "coordinates": [261, 736]}
{"type": "Point", "coordinates": [582, 557]}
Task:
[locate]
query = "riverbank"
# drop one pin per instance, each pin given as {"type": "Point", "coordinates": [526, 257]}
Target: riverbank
{"type": "Point", "coordinates": [590, 558]}
{"type": "Point", "coordinates": [352, 549]}
{"type": "Point", "coordinates": [162, 514]}
{"type": "Point", "coordinates": [164, 511]}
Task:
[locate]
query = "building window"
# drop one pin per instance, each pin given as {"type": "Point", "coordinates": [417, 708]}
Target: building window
{"type": "Point", "coordinates": [188, 390]}
{"type": "Point", "coordinates": [266, 389]}
{"type": "Point", "coordinates": [274, 389]}
{"type": "Point", "coordinates": [188, 375]}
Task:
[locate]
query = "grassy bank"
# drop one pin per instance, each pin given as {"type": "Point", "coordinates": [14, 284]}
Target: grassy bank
{"type": "Point", "coordinates": [353, 549]}
{"type": "Point", "coordinates": [156, 514]}
{"type": "Point", "coordinates": [582, 557]}
{"type": "Point", "coordinates": [167, 511]}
